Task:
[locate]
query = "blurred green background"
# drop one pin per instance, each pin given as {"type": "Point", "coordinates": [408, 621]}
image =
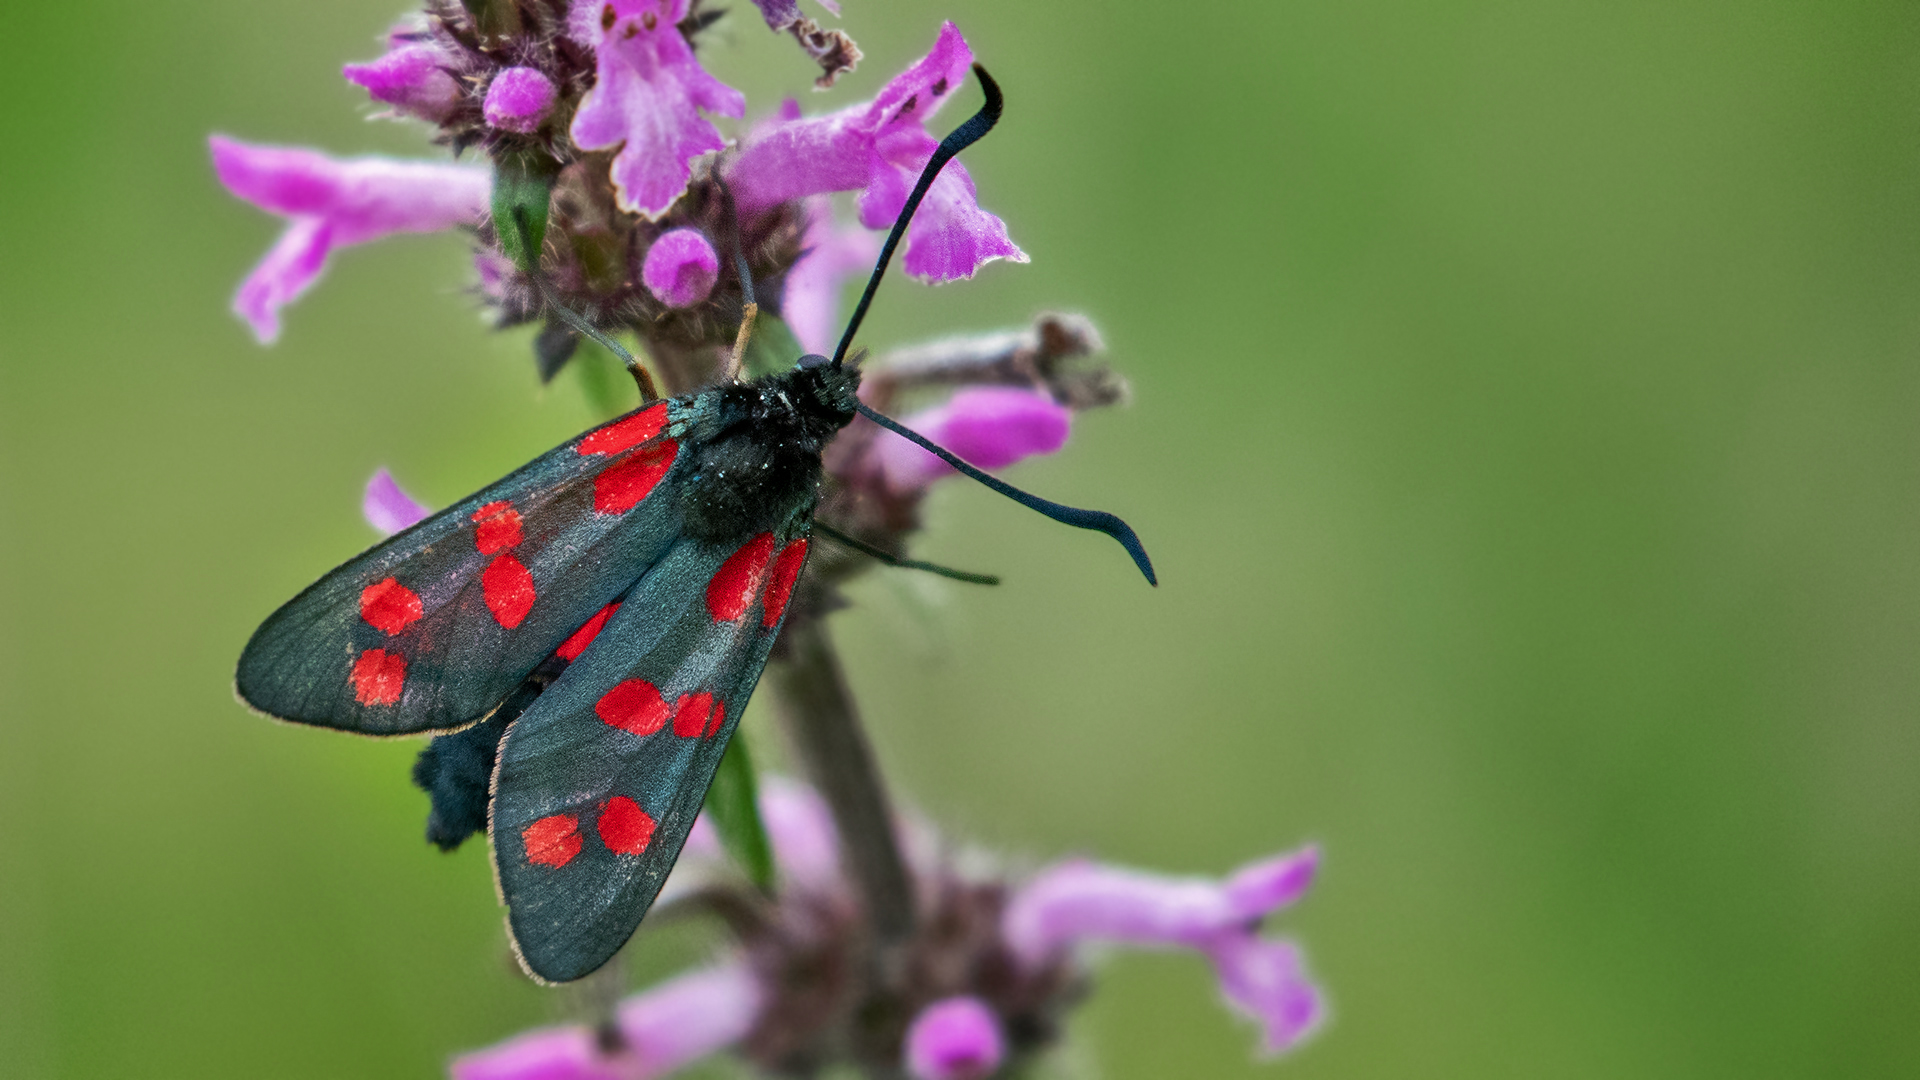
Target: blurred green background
{"type": "Point", "coordinates": [1525, 431]}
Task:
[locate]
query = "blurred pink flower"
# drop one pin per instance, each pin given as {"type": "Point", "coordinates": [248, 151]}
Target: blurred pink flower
{"type": "Point", "coordinates": [333, 202]}
{"type": "Point", "coordinates": [989, 427]}
{"type": "Point", "coordinates": [1081, 901]}
{"type": "Point", "coordinates": [811, 304]}
{"type": "Point", "coordinates": [386, 507]}
{"type": "Point", "coordinates": [957, 1038]}
{"type": "Point", "coordinates": [671, 1025]}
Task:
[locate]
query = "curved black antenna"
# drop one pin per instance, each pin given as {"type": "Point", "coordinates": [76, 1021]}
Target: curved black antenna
{"type": "Point", "coordinates": [880, 556]}
{"type": "Point", "coordinates": [574, 319]}
{"type": "Point", "coordinates": [959, 139]}
{"type": "Point", "coordinates": [1097, 520]}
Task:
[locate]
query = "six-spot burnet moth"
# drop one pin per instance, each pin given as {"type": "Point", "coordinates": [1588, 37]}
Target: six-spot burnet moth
{"type": "Point", "coordinates": [602, 615]}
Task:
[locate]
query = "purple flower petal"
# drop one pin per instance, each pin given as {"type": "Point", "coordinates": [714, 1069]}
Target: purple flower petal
{"type": "Point", "coordinates": [1079, 900]}
{"type": "Point", "coordinates": [649, 91]}
{"type": "Point", "coordinates": [518, 99]}
{"type": "Point", "coordinates": [810, 306]}
{"type": "Point", "coordinates": [289, 268]}
{"type": "Point", "coordinates": [804, 157]}
{"type": "Point", "coordinates": [957, 1038]}
{"type": "Point", "coordinates": [334, 202]}
{"type": "Point", "coordinates": [386, 507]}
{"type": "Point", "coordinates": [667, 1027]}
{"type": "Point", "coordinates": [1267, 981]}
{"type": "Point", "coordinates": [990, 427]}
{"type": "Point", "coordinates": [680, 268]}
{"type": "Point", "coordinates": [881, 147]}
{"type": "Point", "coordinates": [411, 78]}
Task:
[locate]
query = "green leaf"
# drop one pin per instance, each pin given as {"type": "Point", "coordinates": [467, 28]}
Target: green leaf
{"type": "Point", "coordinates": [772, 349]}
{"type": "Point", "coordinates": [522, 190]}
{"type": "Point", "coordinates": [734, 802]}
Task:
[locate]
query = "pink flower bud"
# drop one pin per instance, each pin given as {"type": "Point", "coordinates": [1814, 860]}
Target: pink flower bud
{"type": "Point", "coordinates": [954, 1039]}
{"type": "Point", "coordinates": [518, 99]}
{"type": "Point", "coordinates": [681, 268]}
{"type": "Point", "coordinates": [410, 78]}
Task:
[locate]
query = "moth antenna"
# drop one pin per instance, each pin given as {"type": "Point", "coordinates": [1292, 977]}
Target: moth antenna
{"type": "Point", "coordinates": [641, 377]}
{"type": "Point", "coordinates": [880, 556]}
{"type": "Point", "coordinates": [957, 140]}
{"type": "Point", "coordinates": [749, 309]}
{"type": "Point", "coordinates": [1097, 520]}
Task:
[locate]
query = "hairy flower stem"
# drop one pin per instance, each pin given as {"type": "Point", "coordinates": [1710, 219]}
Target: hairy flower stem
{"type": "Point", "coordinates": [825, 731]}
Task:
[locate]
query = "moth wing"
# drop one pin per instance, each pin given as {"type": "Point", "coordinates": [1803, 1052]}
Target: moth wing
{"type": "Point", "coordinates": [434, 627]}
{"type": "Point", "coordinates": [599, 782]}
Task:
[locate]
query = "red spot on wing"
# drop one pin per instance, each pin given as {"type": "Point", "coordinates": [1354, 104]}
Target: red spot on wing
{"type": "Point", "coordinates": [571, 648]}
{"type": "Point", "coordinates": [509, 590]}
{"type": "Point", "coordinates": [389, 606]}
{"type": "Point", "coordinates": [624, 827]}
{"type": "Point", "coordinates": [634, 705]}
{"type": "Point", "coordinates": [378, 677]}
{"type": "Point", "coordinates": [620, 486]}
{"type": "Point", "coordinates": [732, 589]}
{"type": "Point", "coordinates": [499, 528]}
{"type": "Point", "coordinates": [553, 840]}
{"type": "Point", "coordinates": [719, 718]}
{"type": "Point", "coordinates": [625, 434]}
{"type": "Point", "coordinates": [690, 715]}
{"type": "Point", "coordinates": [786, 568]}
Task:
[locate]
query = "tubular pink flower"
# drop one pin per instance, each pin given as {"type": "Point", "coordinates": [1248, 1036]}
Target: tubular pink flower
{"type": "Point", "coordinates": [648, 94]}
{"type": "Point", "coordinates": [518, 99]}
{"type": "Point", "coordinates": [680, 268]}
{"type": "Point", "coordinates": [810, 305]}
{"type": "Point", "coordinates": [881, 148]}
{"type": "Point", "coordinates": [333, 202]}
{"type": "Point", "coordinates": [386, 507]}
{"type": "Point", "coordinates": [675, 1023]}
{"type": "Point", "coordinates": [1082, 901]}
{"type": "Point", "coordinates": [990, 427]}
{"type": "Point", "coordinates": [957, 1038]}
{"type": "Point", "coordinates": [411, 77]}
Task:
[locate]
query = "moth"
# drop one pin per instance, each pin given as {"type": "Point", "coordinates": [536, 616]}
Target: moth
{"type": "Point", "coordinates": [611, 605]}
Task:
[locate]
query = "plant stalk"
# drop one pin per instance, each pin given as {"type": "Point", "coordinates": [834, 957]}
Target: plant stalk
{"type": "Point", "coordinates": [825, 730]}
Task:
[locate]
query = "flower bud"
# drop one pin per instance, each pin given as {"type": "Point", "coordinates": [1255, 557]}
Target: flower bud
{"type": "Point", "coordinates": [954, 1039]}
{"type": "Point", "coordinates": [681, 268]}
{"type": "Point", "coordinates": [518, 100]}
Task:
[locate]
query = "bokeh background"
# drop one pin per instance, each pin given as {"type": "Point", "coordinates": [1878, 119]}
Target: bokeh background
{"type": "Point", "coordinates": [1527, 429]}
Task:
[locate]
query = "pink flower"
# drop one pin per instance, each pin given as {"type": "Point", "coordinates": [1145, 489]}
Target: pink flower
{"type": "Point", "coordinates": [648, 94]}
{"type": "Point", "coordinates": [1083, 901]}
{"type": "Point", "coordinates": [518, 99]}
{"type": "Point", "coordinates": [330, 202]}
{"type": "Point", "coordinates": [810, 305]}
{"type": "Point", "coordinates": [987, 426]}
{"type": "Point", "coordinates": [881, 148]}
{"type": "Point", "coordinates": [386, 507]}
{"type": "Point", "coordinates": [410, 76]}
{"type": "Point", "coordinates": [956, 1038]}
{"type": "Point", "coordinates": [680, 268]}
{"type": "Point", "coordinates": [680, 1021]}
